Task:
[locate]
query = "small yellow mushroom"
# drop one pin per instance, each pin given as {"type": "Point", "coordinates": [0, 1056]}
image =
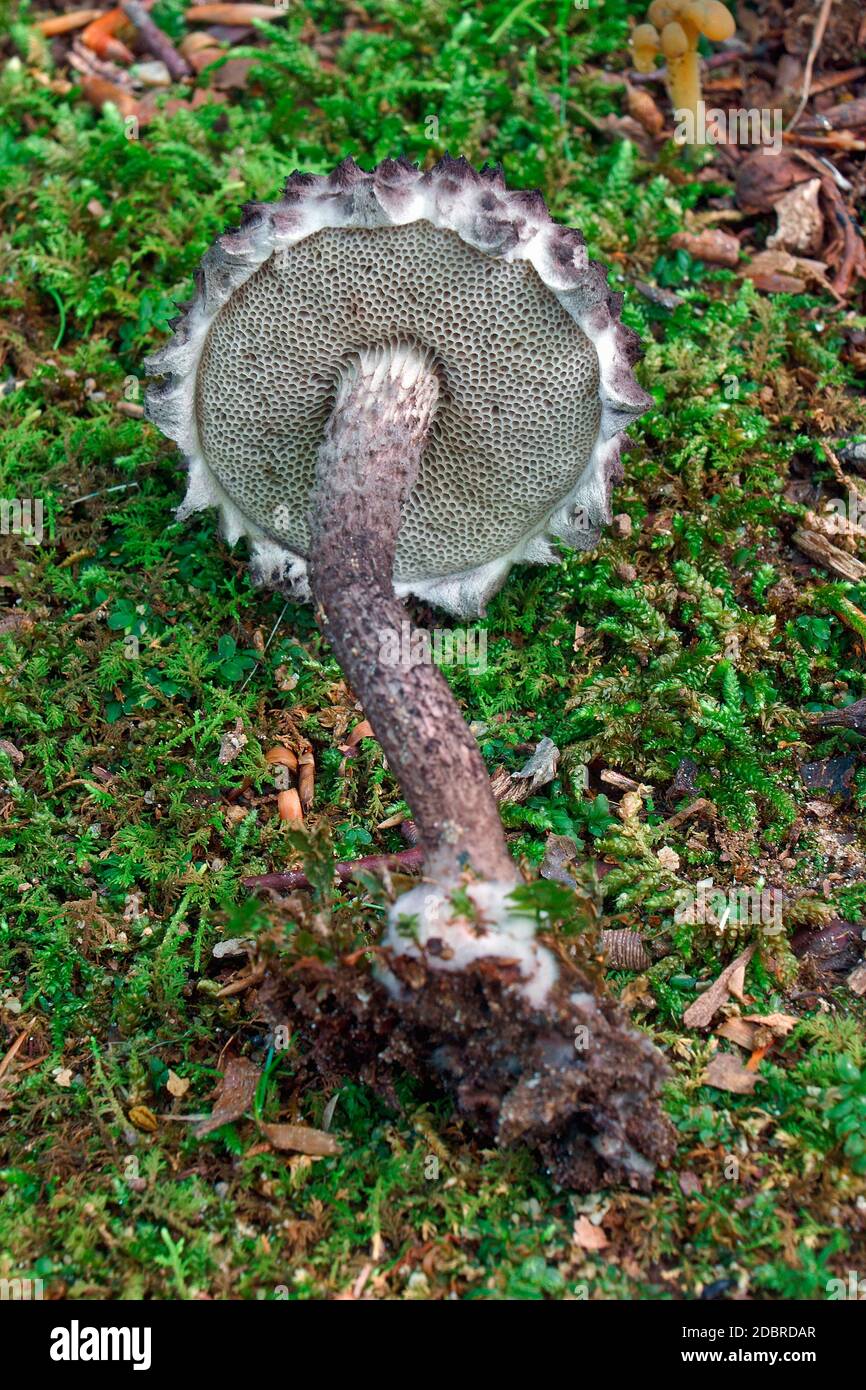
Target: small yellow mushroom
{"type": "Point", "coordinates": [645, 47]}
{"type": "Point", "coordinates": [684, 74]}
{"type": "Point", "coordinates": [675, 29]}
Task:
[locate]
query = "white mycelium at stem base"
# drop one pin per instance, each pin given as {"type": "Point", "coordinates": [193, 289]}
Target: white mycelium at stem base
{"type": "Point", "coordinates": [452, 929]}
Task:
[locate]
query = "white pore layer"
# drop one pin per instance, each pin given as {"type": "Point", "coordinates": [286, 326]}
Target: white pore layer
{"type": "Point", "coordinates": [434, 930]}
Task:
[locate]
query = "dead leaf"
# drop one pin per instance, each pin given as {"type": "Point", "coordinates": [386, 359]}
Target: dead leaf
{"type": "Point", "coordinates": [144, 1119]}
{"type": "Point", "coordinates": [857, 980]}
{"type": "Point", "coordinates": [98, 91]}
{"type": "Point", "coordinates": [765, 176]}
{"type": "Point", "coordinates": [63, 1077]}
{"type": "Point", "coordinates": [707, 1005]}
{"type": "Point", "coordinates": [176, 1085]}
{"type": "Point", "coordinates": [301, 1139]}
{"type": "Point", "coordinates": [736, 1030]}
{"type": "Point", "coordinates": [587, 1236]}
{"type": "Point", "coordinates": [541, 767]}
{"type": "Point", "coordinates": [668, 858]}
{"type": "Point", "coordinates": [233, 75]}
{"type": "Point", "coordinates": [779, 1025]}
{"type": "Point", "coordinates": [801, 222]}
{"type": "Point", "coordinates": [778, 272]}
{"type": "Point", "coordinates": [14, 754]}
{"type": "Point", "coordinates": [232, 743]}
{"type": "Point", "coordinates": [690, 1184]}
{"type": "Point", "coordinates": [234, 1095]}
{"type": "Point", "coordinates": [727, 1073]}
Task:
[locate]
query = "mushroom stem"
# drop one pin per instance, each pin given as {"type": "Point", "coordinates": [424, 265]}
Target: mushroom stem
{"type": "Point", "coordinates": [365, 470]}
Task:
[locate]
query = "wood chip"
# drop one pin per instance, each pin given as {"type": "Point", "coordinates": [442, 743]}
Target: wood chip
{"type": "Point", "coordinates": [713, 246]}
{"type": "Point", "coordinates": [701, 807]}
{"type": "Point", "coordinates": [825, 553]}
{"type": "Point", "coordinates": [706, 1006]}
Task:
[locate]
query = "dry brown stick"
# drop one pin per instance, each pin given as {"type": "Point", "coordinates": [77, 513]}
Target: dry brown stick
{"type": "Point", "coordinates": [837, 79]}
{"type": "Point", "coordinates": [296, 878]}
{"type": "Point", "coordinates": [817, 40]}
{"type": "Point", "coordinates": [65, 23]}
{"type": "Point", "coordinates": [156, 42]}
{"type": "Point", "coordinates": [839, 473]}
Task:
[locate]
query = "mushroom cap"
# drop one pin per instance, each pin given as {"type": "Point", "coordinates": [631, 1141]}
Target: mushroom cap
{"type": "Point", "coordinates": [534, 366]}
{"type": "Point", "coordinates": [674, 40]}
{"type": "Point", "coordinates": [712, 18]}
{"type": "Point", "coordinates": [645, 47]}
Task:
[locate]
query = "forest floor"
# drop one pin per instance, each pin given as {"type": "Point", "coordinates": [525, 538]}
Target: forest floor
{"type": "Point", "coordinates": [682, 671]}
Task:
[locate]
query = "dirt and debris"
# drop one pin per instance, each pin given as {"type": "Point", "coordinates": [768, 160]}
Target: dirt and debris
{"type": "Point", "coordinates": [571, 1081]}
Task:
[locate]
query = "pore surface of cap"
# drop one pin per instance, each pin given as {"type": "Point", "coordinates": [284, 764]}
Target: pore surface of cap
{"type": "Point", "coordinates": [535, 369]}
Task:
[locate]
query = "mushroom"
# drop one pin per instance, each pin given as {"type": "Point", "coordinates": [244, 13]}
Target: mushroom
{"type": "Point", "coordinates": [674, 31]}
{"type": "Point", "coordinates": [399, 383]}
